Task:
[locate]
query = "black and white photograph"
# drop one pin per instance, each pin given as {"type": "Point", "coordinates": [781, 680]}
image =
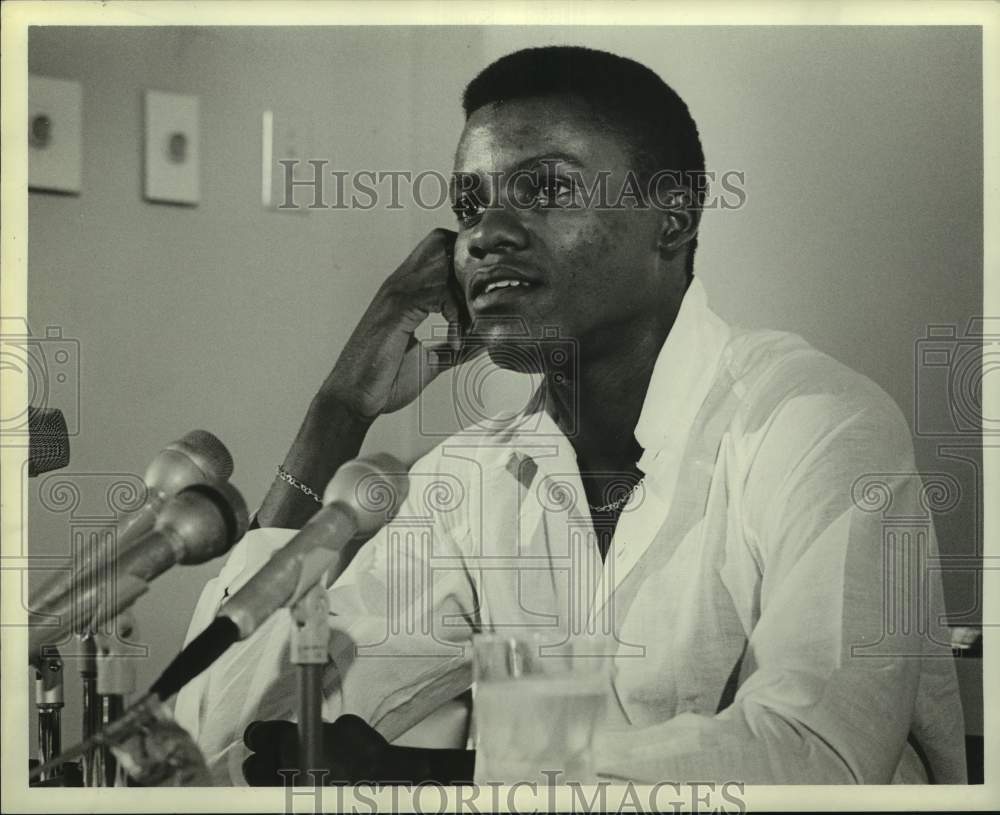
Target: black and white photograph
{"type": "Point", "coordinates": [455, 407]}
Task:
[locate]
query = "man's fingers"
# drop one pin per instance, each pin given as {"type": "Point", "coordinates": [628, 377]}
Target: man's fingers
{"type": "Point", "coordinates": [451, 312]}
{"type": "Point", "coordinates": [275, 746]}
{"type": "Point", "coordinates": [353, 751]}
{"type": "Point", "coordinates": [435, 253]}
{"type": "Point", "coordinates": [354, 731]}
{"type": "Point", "coordinates": [252, 735]}
{"type": "Point", "coordinates": [263, 736]}
{"type": "Point", "coordinates": [360, 746]}
{"type": "Point", "coordinates": [260, 773]}
{"type": "Point", "coordinates": [440, 356]}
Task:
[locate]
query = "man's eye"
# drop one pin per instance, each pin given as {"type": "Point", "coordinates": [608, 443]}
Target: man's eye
{"type": "Point", "coordinates": [557, 192]}
{"type": "Point", "coordinates": [467, 210]}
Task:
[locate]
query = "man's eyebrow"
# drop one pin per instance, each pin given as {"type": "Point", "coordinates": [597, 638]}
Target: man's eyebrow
{"type": "Point", "coordinates": [548, 158]}
{"type": "Point", "coordinates": [526, 164]}
{"type": "Point", "coordinates": [529, 163]}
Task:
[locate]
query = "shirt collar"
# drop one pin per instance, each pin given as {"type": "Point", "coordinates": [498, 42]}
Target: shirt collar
{"type": "Point", "coordinates": [682, 376]}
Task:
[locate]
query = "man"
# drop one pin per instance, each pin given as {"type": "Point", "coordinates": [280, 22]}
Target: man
{"type": "Point", "coordinates": [694, 495]}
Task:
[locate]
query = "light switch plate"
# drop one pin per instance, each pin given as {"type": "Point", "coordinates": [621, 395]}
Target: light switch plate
{"type": "Point", "coordinates": [289, 135]}
{"type": "Point", "coordinates": [171, 154]}
{"type": "Point", "coordinates": [55, 121]}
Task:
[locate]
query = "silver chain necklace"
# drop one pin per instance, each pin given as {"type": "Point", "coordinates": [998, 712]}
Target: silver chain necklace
{"type": "Point", "coordinates": [614, 506]}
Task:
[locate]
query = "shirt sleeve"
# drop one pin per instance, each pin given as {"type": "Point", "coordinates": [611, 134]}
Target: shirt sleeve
{"type": "Point", "coordinates": [847, 629]}
{"type": "Point", "coordinates": [395, 629]}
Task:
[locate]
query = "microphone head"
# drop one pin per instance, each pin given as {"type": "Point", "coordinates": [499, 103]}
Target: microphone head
{"type": "Point", "coordinates": [48, 440]}
{"type": "Point", "coordinates": [204, 521]}
{"type": "Point", "coordinates": [197, 457]}
{"type": "Point", "coordinates": [206, 449]}
{"type": "Point", "coordinates": [373, 487]}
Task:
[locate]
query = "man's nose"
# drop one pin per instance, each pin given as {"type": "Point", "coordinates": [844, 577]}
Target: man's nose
{"type": "Point", "coordinates": [499, 230]}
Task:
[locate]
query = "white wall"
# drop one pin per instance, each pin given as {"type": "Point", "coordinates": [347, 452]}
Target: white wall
{"type": "Point", "coordinates": [863, 224]}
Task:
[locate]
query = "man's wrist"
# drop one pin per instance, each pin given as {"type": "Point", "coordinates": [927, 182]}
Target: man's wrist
{"type": "Point", "coordinates": [330, 435]}
{"type": "Point", "coordinates": [329, 410]}
{"type": "Point", "coordinates": [420, 765]}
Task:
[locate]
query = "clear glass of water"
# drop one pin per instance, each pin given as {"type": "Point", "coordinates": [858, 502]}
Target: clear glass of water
{"type": "Point", "coordinates": [536, 708]}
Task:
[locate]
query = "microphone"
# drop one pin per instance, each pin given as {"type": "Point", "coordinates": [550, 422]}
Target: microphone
{"type": "Point", "coordinates": [197, 457]}
{"type": "Point", "coordinates": [198, 524]}
{"type": "Point", "coordinates": [48, 440]}
{"type": "Point", "coordinates": [361, 498]}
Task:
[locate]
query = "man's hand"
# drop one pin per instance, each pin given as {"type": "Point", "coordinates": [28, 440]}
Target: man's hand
{"type": "Point", "coordinates": [379, 370]}
{"type": "Point", "coordinates": [353, 753]}
{"type": "Point", "coordinates": [352, 750]}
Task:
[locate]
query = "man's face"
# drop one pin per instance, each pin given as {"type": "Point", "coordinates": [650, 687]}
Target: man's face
{"type": "Point", "coordinates": [530, 258]}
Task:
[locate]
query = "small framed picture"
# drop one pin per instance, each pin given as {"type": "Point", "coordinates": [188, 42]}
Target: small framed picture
{"type": "Point", "coordinates": [55, 119]}
{"type": "Point", "coordinates": [171, 150]}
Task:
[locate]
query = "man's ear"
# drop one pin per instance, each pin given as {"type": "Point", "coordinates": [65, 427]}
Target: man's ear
{"type": "Point", "coordinates": [679, 224]}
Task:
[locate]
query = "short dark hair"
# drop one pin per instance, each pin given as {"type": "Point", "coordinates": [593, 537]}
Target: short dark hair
{"type": "Point", "coordinates": [626, 95]}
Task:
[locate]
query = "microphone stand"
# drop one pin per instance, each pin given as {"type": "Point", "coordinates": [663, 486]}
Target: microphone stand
{"type": "Point", "coordinates": [92, 760]}
{"type": "Point", "coordinates": [310, 642]}
{"type": "Point", "coordinates": [49, 703]}
{"type": "Point", "coordinates": [116, 679]}
{"type": "Point", "coordinates": [103, 702]}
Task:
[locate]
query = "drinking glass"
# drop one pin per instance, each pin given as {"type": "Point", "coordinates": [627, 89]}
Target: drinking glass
{"type": "Point", "coordinates": [536, 707]}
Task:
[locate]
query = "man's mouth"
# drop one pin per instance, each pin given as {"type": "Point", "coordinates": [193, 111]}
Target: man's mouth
{"type": "Point", "coordinates": [499, 292]}
{"type": "Point", "coordinates": [498, 286]}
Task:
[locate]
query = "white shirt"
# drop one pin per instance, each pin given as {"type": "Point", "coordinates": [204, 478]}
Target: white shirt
{"type": "Point", "coordinates": [770, 595]}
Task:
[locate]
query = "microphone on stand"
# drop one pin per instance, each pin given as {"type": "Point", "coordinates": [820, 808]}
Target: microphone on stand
{"type": "Point", "coordinates": [362, 497]}
{"type": "Point", "coordinates": [197, 457]}
{"type": "Point", "coordinates": [198, 524]}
